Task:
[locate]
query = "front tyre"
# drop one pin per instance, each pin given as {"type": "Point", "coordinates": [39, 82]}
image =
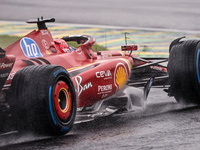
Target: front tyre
{"type": "Point", "coordinates": [184, 71]}
{"type": "Point", "coordinates": [43, 100]}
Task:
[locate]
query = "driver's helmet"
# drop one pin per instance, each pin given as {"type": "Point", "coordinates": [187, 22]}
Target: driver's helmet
{"type": "Point", "coordinates": [62, 45]}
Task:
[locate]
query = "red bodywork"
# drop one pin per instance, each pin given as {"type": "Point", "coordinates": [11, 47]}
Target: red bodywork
{"type": "Point", "coordinates": [96, 76]}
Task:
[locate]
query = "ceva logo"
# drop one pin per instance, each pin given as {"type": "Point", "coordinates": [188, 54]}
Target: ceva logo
{"type": "Point", "coordinates": [30, 48]}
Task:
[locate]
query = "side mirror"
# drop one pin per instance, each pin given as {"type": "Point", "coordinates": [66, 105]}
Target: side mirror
{"type": "Point", "coordinates": [129, 47]}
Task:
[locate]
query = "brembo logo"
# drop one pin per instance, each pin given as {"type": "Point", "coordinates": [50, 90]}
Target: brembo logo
{"type": "Point", "coordinates": [30, 48]}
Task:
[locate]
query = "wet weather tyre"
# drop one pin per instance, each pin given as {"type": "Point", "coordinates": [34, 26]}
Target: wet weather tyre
{"type": "Point", "coordinates": [43, 100]}
{"type": "Point", "coordinates": [184, 71]}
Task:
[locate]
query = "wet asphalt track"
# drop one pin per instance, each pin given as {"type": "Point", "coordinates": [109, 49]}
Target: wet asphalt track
{"type": "Point", "coordinates": [164, 124]}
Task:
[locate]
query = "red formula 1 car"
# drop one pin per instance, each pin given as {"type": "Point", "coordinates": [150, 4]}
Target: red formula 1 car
{"type": "Point", "coordinates": [49, 82]}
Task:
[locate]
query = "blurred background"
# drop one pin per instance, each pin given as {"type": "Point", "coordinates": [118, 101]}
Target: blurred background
{"type": "Point", "coordinates": [151, 24]}
{"type": "Point", "coordinates": [170, 14]}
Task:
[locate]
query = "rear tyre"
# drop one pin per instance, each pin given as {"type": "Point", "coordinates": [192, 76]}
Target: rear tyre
{"type": "Point", "coordinates": [43, 100]}
{"type": "Point", "coordinates": [184, 71]}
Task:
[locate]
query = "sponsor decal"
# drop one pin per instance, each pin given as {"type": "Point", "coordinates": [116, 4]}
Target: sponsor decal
{"type": "Point", "coordinates": [30, 48]}
{"type": "Point", "coordinates": [127, 62]}
{"type": "Point", "coordinates": [4, 75]}
{"type": "Point", "coordinates": [103, 88]}
{"type": "Point", "coordinates": [11, 76]}
{"type": "Point", "coordinates": [104, 96]}
{"type": "Point", "coordinates": [80, 87]}
{"type": "Point", "coordinates": [44, 32]}
{"type": "Point", "coordinates": [45, 44]}
{"type": "Point", "coordinates": [121, 75]}
{"type": "Point", "coordinates": [5, 66]}
{"type": "Point", "coordinates": [104, 74]}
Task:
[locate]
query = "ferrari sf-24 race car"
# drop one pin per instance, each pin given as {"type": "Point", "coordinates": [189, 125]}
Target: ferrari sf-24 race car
{"type": "Point", "coordinates": [46, 84]}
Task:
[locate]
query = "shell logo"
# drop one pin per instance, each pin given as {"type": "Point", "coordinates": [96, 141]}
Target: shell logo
{"type": "Point", "coordinates": [121, 75]}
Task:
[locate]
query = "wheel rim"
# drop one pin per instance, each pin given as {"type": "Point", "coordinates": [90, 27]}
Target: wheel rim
{"type": "Point", "coordinates": [62, 100]}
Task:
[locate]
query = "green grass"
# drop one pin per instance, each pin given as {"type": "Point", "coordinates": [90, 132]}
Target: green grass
{"type": "Point", "coordinates": [95, 47]}
{"type": "Point", "coordinates": [6, 40]}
